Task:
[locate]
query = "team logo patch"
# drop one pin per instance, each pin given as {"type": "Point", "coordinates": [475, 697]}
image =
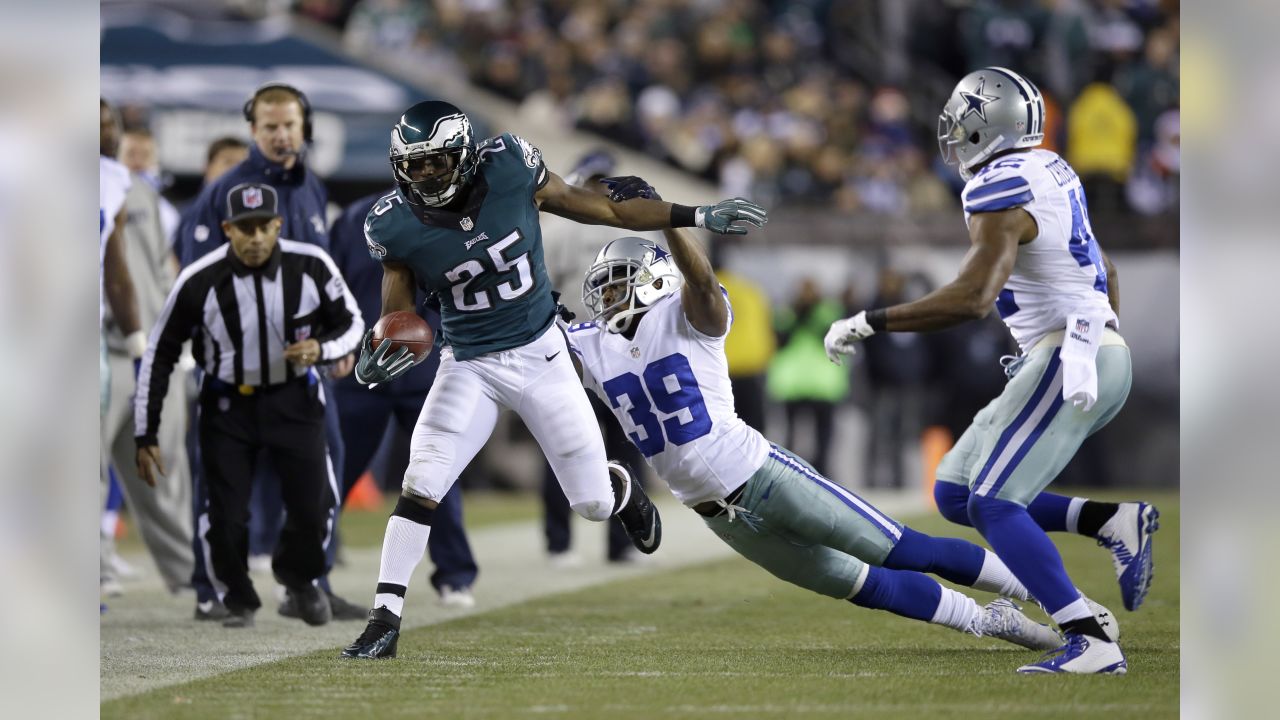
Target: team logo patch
{"type": "Point", "coordinates": [466, 223]}
{"type": "Point", "coordinates": [1082, 326]}
{"type": "Point", "coordinates": [635, 353]}
{"type": "Point", "coordinates": [532, 155]}
{"type": "Point", "coordinates": [251, 197]}
{"type": "Point", "coordinates": [479, 238]}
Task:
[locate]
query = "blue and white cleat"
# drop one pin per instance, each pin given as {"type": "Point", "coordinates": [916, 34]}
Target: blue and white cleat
{"type": "Point", "coordinates": [1082, 655]}
{"type": "Point", "coordinates": [1128, 536]}
{"type": "Point", "coordinates": [1002, 618]}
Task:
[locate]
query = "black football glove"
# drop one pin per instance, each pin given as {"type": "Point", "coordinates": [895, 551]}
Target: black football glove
{"type": "Point", "coordinates": [381, 365]}
{"type": "Point", "coordinates": [629, 187]}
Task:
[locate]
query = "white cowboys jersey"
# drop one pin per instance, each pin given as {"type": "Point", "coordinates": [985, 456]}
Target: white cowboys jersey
{"type": "Point", "coordinates": [113, 184]}
{"type": "Point", "coordinates": [1061, 272]}
{"type": "Point", "coordinates": [669, 388]}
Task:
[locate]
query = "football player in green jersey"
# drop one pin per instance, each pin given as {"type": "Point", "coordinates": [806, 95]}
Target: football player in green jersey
{"type": "Point", "coordinates": [463, 225]}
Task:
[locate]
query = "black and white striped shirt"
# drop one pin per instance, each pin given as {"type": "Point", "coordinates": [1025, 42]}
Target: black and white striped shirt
{"type": "Point", "coordinates": [240, 320]}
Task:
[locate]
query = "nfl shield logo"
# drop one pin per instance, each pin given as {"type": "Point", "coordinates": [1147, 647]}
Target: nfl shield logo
{"type": "Point", "coordinates": [301, 333]}
{"type": "Point", "coordinates": [635, 352]}
{"type": "Point", "coordinates": [1082, 326]}
{"type": "Point", "coordinates": [466, 223]}
{"type": "Point", "coordinates": [252, 197]}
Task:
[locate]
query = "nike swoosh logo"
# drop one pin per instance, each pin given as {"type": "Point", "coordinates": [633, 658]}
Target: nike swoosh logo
{"type": "Point", "coordinates": [552, 356]}
{"type": "Point", "coordinates": [653, 530]}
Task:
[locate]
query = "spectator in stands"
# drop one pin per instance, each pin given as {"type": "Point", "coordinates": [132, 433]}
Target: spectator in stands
{"type": "Point", "coordinates": [1102, 137]}
{"type": "Point", "coordinates": [750, 344]}
{"type": "Point", "coordinates": [801, 377]}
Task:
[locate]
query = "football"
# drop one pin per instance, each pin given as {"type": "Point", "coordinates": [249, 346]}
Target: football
{"type": "Point", "coordinates": [404, 329]}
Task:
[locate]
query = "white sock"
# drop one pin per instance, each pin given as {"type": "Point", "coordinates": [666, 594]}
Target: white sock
{"type": "Point", "coordinates": [1073, 514]}
{"type": "Point", "coordinates": [1074, 611]}
{"type": "Point", "coordinates": [402, 549]}
{"type": "Point", "coordinates": [996, 577]}
{"type": "Point", "coordinates": [955, 610]}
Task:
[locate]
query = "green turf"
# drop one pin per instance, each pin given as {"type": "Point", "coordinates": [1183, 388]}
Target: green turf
{"type": "Point", "coordinates": [718, 640]}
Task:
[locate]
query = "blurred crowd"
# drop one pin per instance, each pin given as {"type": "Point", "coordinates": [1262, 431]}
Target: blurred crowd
{"type": "Point", "coordinates": [810, 102]}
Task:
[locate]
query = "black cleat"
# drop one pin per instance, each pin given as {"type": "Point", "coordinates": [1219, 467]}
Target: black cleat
{"type": "Point", "coordinates": [309, 603]}
{"type": "Point", "coordinates": [379, 639]}
{"type": "Point", "coordinates": [638, 515]}
{"type": "Point", "coordinates": [238, 618]}
{"type": "Point", "coordinates": [211, 610]}
{"type": "Point", "coordinates": [342, 610]}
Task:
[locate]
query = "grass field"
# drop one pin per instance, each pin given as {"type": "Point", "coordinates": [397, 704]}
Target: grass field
{"type": "Point", "coordinates": [716, 640]}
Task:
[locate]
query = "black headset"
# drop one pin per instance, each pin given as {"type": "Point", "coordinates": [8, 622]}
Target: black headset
{"type": "Point", "coordinates": [302, 100]}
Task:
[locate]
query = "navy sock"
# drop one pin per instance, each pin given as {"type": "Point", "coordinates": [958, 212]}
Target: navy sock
{"type": "Point", "coordinates": [958, 561]}
{"type": "Point", "coordinates": [901, 592]}
{"type": "Point", "coordinates": [1050, 511]}
{"type": "Point", "coordinates": [1026, 549]}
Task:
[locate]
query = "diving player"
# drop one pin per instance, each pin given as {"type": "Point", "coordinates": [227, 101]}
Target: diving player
{"type": "Point", "coordinates": [1035, 257]}
{"type": "Point", "coordinates": [654, 352]}
{"type": "Point", "coordinates": [463, 224]}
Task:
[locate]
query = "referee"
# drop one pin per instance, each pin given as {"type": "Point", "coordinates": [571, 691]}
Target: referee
{"type": "Point", "coordinates": [261, 312]}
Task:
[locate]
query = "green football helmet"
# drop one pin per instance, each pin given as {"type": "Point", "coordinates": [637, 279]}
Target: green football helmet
{"type": "Point", "coordinates": [433, 153]}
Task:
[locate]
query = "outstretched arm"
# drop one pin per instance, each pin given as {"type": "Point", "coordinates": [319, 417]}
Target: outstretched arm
{"type": "Point", "coordinates": [580, 205]}
{"type": "Point", "coordinates": [701, 297]}
{"type": "Point", "coordinates": [987, 266]}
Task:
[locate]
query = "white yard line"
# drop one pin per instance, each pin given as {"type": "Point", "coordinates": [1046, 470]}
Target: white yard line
{"type": "Point", "coordinates": [149, 639]}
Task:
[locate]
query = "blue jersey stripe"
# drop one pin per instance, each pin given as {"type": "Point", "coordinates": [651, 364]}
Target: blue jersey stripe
{"type": "Point", "coordinates": [1001, 203]}
{"type": "Point", "coordinates": [999, 186]}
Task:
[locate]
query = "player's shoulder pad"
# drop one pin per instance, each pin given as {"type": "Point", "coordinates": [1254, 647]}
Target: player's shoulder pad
{"type": "Point", "coordinates": [1004, 184]}
{"type": "Point", "coordinates": [378, 224]}
{"type": "Point", "coordinates": [511, 147]}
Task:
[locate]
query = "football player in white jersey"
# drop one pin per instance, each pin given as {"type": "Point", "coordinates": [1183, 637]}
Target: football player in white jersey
{"type": "Point", "coordinates": [1035, 258]}
{"type": "Point", "coordinates": [654, 353]}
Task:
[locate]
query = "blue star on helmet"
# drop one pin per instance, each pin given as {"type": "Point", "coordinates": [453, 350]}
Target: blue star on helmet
{"type": "Point", "coordinates": [658, 252]}
{"type": "Point", "coordinates": [976, 101]}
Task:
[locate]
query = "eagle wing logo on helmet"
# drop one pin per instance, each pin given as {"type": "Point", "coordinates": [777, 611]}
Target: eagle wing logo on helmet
{"type": "Point", "coordinates": [976, 102]}
{"type": "Point", "coordinates": [452, 130]}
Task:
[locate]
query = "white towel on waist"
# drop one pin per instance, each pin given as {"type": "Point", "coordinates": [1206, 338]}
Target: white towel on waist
{"type": "Point", "coordinates": [1079, 359]}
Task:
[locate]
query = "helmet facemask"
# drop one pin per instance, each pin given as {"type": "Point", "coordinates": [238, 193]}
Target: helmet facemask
{"type": "Point", "coordinates": [432, 178]}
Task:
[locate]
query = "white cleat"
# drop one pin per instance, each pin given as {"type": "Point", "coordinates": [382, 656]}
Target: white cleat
{"type": "Point", "coordinates": [1002, 619]}
{"type": "Point", "coordinates": [460, 598]}
{"type": "Point", "coordinates": [1128, 536]}
{"type": "Point", "coordinates": [1082, 655]}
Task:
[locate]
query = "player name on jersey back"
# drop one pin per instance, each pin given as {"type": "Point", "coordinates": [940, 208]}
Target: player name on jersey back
{"type": "Point", "coordinates": [1059, 273]}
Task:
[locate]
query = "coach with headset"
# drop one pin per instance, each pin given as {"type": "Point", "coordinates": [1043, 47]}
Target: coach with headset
{"type": "Point", "coordinates": [279, 118]}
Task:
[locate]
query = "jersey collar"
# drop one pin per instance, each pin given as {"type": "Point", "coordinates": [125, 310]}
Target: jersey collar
{"type": "Point", "coordinates": [267, 269]}
{"type": "Point", "coordinates": [453, 219]}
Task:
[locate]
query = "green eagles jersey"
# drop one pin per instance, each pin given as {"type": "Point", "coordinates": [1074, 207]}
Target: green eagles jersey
{"type": "Point", "coordinates": [483, 260]}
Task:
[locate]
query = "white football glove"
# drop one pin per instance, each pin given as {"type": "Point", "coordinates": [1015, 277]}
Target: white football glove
{"type": "Point", "coordinates": [844, 333]}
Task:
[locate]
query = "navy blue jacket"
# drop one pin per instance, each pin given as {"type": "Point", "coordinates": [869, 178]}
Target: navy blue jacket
{"type": "Point", "coordinates": [363, 274]}
{"type": "Point", "coordinates": [301, 195]}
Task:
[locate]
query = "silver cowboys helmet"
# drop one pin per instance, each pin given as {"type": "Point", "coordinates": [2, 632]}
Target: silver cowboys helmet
{"type": "Point", "coordinates": [991, 110]}
{"type": "Point", "coordinates": [433, 153]}
{"type": "Point", "coordinates": [642, 272]}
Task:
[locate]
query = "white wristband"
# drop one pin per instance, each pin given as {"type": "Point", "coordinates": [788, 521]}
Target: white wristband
{"type": "Point", "coordinates": [699, 217]}
{"type": "Point", "coordinates": [136, 344]}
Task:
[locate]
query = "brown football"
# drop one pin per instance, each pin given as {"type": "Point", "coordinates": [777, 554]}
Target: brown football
{"type": "Point", "coordinates": [404, 329]}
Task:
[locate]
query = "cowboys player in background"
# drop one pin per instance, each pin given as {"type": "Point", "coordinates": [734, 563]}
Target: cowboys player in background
{"type": "Point", "coordinates": [463, 224]}
{"type": "Point", "coordinates": [1035, 257]}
